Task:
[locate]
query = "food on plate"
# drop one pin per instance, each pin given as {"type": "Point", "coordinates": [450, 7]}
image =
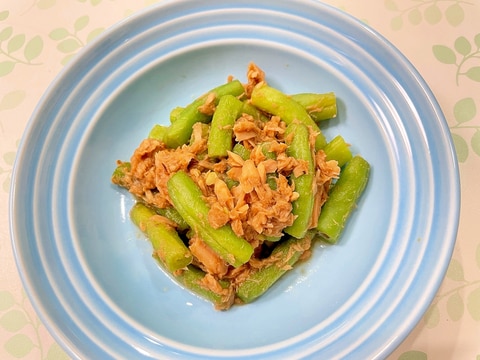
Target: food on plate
{"type": "Point", "coordinates": [236, 190]}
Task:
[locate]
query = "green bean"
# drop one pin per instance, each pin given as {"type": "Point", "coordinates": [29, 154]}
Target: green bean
{"type": "Point", "coordinates": [180, 130]}
{"type": "Point", "coordinates": [191, 278]}
{"type": "Point", "coordinates": [251, 110]}
{"type": "Point", "coordinates": [338, 149]}
{"type": "Point", "coordinates": [302, 208]}
{"type": "Point", "coordinates": [277, 103]}
{"type": "Point", "coordinates": [343, 198]}
{"type": "Point", "coordinates": [242, 151]}
{"type": "Point", "coordinates": [286, 254]}
{"type": "Point", "coordinates": [220, 139]}
{"type": "Point", "coordinates": [118, 176]}
{"type": "Point", "coordinates": [187, 198]}
{"type": "Point", "coordinates": [158, 132]}
{"type": "Point", "coordinates": [174, 113]}
{"type": "Point", "coordinates": [319, 106]}
{"type": "Point", "coordinates": [172, 214]}
{"type": "Point", "coordinates": [167, 245]}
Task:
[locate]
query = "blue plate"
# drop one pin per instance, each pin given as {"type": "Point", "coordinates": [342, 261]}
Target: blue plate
{"type": "Point", "coordinates": [88, 270]}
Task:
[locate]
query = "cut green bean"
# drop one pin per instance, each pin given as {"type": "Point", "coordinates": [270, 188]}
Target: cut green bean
{"type": "Point", "coordinates": [180, 130]}
{"type": "Point", "coordinates": [158, 132]}
{"type": "Point", "coordinates": [167, 245]}
{"type": "Point", "coordinates": [343, 198]}
{"type": "Point", "coordinates": [242, 151]}
{"type": "Point", "coordinates": [220, 140]}
{"type": "Point", "coordinates": [277, 103]}
{"type": "Point", "coordinates": [251, 110]}
{"type": "Point", "coordinates": [319, 106]}
{"type": "Point", "coordinates": [187, 198]}
{"type": "Point", "coordinates": [286, 254]}
{"type": "Point", "coordinates": [338, 149]}
{"type": "Point", "coordinates": [118, 176]}
{"type": "Point", "coordinates": [174, 113]}
{"type": "Point", "coordinates": [172, 214]}
{"type": "Point", "coordinates": [302, 208]}
{"type": "Point", "coordinates": [191, 278]}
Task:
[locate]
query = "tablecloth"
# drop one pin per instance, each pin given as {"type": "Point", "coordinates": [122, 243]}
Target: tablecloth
{"type": "Point", "coordinates": [440, 37]}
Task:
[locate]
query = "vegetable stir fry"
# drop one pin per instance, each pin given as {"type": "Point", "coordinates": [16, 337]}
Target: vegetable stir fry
{"type": "Point", "coordinates": [233, 193]}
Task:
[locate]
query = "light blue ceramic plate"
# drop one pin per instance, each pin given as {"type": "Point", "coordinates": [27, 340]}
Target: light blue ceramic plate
{"type": "Point", "coordinates": [88, 271]}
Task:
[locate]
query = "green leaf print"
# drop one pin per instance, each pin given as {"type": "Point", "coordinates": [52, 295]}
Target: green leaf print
{"type": "Point", "coordinates": [46, 4]}
{"type": "Point", "coordinates": [6, 67]}
{"type": "Point", "coordinates": [476, 39]}
{"type": "Point", "coordinates": [69, 45]}
{"type": "Point", "coordinates": [6, 300]}
{"type": "Point", "coordinates": [463, 55]}
{"type": "Point", "coordinates": [463, 46]}
{"type": "Point", "coordinates": [56, 353]}
{"type": "Point", "coordinates": [13, 320]}
{"type": "Point", "coordinates": [70, 42]}
{"type": "Point", "coordinates": [11, 43]}
{"type": "Point", "coordinates": [455, 271]}
{"type": "Point", "coordinates": [59, 34]}
{"type": "Point", "coordinates": [15, 43]}
{"type": "Point", "coordinates": [415, 16]}
{"type": "Point", "coordinates": [81, 23]}
{"type": "Point", "coordinates": [473, 73]}
{"type": "Point", "coordinates": [432, 316]}
{"type": "Point", "coordinates": [6, 33]}
{"type": "Point", "coordinates": [473, 301]}
{"type": "Point", "coordinates": [455, 14]}
{"type": "Point", "coordinates": [455, 306]}
{"type": "Point", "coordinates": [461, 147]}
{"type": "Point", "coordinates": [413, 355]}
{"type": "Point", "coordinates": [4, 15]}
{"type": "Point", "coordinates": [33, 48]}
{"type": "Point", "coordinates": [433, 14]}
{"type": "Point", "coordinates": [19, 345]}
{"type": "Point", "coordinates": [464, 110]}
{"type": "Point", "coordinates": [430, 11]}
{"type": "Point", "coordinates": [475, 142]}
{"type": "Point", "coordinates": [444, 54]}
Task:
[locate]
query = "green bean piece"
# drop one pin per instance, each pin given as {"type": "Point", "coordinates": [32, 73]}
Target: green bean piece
{"type": "Point", "coordinates": [167, 245]}
{"type": "Point", "coordinates": [251, 110]}
{"type": "Point", "coordinates": [191, 278]}
{"type": "Point", "coordinates": [277, 103]}
{"type": "Point", "coordinates": [118, 176]}
{"type": "Point", "coordinates": [180, 130]}
{"type": "Point", "coordinates": [319, 106]}
{"type": "Point", "coordinates": [158, 132]}
{"type": "Point", "coordinates": [187, 198]}
{"type": "Point", "coordinates": [172, 214]}
{"type": "Point", "coordinates": [174, 113]}
{"type": "Point", "coordinates": [220, 139]}
{"type": "Point", "coordinates": [338, 149]}
{"type": "Point", "coordinates": [343, 198]}
{"type": "Point", "coordinates": [302, 208]}
{"type": "Point", "coordinates": [242, 151]}
{"type": "Point", "coordinates": [286, 253]}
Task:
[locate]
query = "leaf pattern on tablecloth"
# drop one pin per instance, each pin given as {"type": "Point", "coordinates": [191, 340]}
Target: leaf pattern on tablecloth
{"type": "Point", "coordinates": [413, 355]}
{"type": "Point", "coordinates": [14, 319]}
{"type": "Point", "coordinates": [429, 11]}
{"type": "Point", "coordinates": [11, 44]}
{"type": "Point", "coordinates": [6, 170]}
{"type": "Point", "coordinates": [465, 133]}
{"type": "Point", "coordinates": [464, 55]}
{"type": "Point", "coordinates": [465, 294]}
{"type": "Point", "coordinates": [71, 41]}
